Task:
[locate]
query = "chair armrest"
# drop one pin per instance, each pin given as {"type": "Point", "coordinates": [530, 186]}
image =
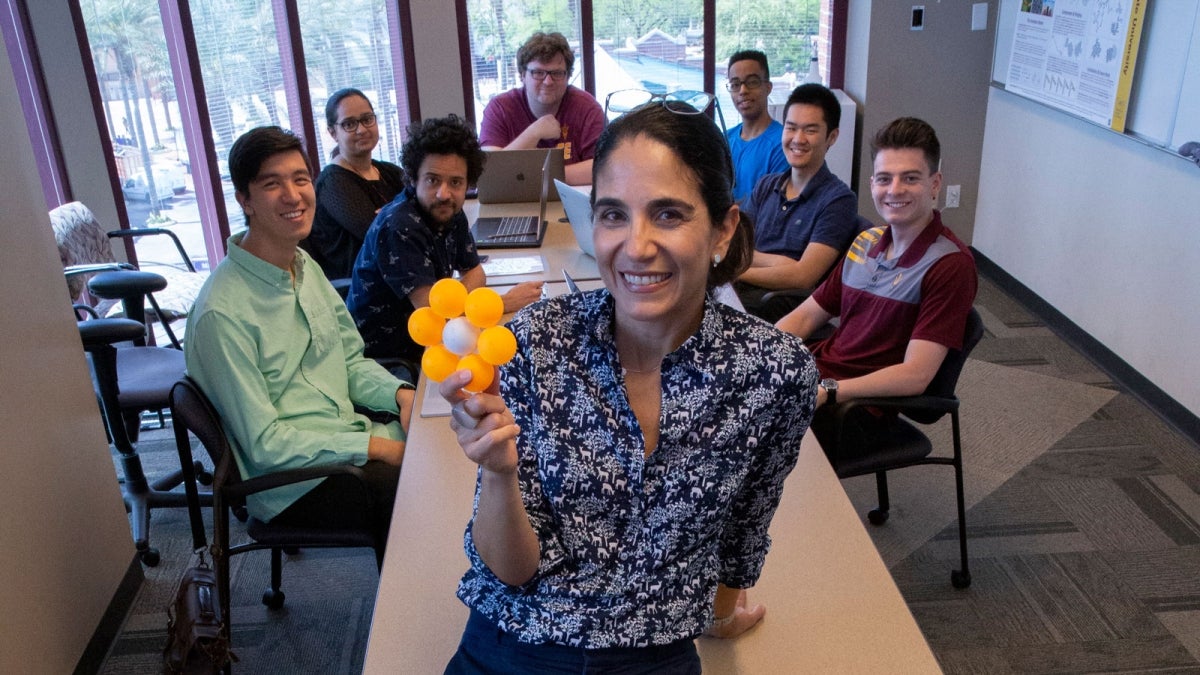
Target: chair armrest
{"type": "Point", "coordinates": [926, 403]}
{"type": "Point", "coordinates": [105, 332]}
{"type": "Point", "coordinates": [288, 477]}
{"type": "Point", "coordinates": [92, 268]}
{"type": "Point", "coordinates": [125, 234]}
{"type": "Point", "coordinates": [800, 293]}
{"type": "Point", "coordinates": [923, 409]}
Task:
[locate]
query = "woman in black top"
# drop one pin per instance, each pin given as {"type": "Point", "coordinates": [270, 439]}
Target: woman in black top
{"type": "Point", "coordinates": [353, 187]}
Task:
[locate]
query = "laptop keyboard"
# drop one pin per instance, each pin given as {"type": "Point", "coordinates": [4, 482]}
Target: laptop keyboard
{"type": "Point", "coordinates": [512, 226]}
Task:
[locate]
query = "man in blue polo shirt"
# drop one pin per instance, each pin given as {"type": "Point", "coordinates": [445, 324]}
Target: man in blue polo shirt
{"type": "Point", "coordinates": [902, 294]}
{"type": "Point", "coordinates": [804, 217]}
{"type": "Point", "coordinates": [420, 237]}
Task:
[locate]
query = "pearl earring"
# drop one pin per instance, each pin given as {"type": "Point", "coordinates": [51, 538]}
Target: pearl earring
{"type": "Point", "coordinates": [716, 259]}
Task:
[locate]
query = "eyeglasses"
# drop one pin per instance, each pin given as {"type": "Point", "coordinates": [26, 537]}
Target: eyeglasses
{"type": "Point", "coordinates": [350, 124]}
{"type": "Point", "coordinates": [750, 83]}
{"type": "Point", "coordinates": [540, 75]}
{"type": "Point", "coordinates": [683, 102]}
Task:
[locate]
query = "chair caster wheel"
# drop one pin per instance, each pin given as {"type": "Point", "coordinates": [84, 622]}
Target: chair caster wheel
{"type": "Point", "coordinates": [241, 514]}
{"type": "Point", "coordinates": [877, 516]}
{"type": "Point", "coordinates": [291, 550]}
{"type": "Point", "coordinates": [150, 557]}
{"type": "Point", "coordinates": [273, 599]}
{"type": "Point", "coordinates": [202, 475]}
{"type": "Point", "coordinates": [960, 579]}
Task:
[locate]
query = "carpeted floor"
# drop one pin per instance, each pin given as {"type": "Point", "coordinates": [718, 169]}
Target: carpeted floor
{"type": "Point", "coordinates": [1084, 527]}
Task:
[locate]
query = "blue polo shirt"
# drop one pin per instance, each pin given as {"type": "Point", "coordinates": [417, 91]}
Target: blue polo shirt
{"type": "Point", "coordinates": [826, 212]}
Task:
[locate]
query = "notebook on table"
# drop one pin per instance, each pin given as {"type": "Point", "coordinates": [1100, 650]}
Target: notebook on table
{"type": "Point", "coordinates": [511, 176]}
{"type": "Point", "coordinates": [578, 206]}
{"type": "Point", "coordinates": [515, 231]}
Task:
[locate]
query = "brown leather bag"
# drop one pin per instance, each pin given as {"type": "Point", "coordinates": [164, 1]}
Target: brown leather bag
{"type": "Point", "coordinates": [195, 643]}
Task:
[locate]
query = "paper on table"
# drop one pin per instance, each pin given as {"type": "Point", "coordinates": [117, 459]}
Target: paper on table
{"type": "Point", "coordinates": [433, 405]}
{"type": "Point", "coordinates": [497, 266]}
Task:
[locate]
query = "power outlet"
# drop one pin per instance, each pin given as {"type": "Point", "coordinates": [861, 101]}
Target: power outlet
{"type": "Point", "coordinates": [952, 195]}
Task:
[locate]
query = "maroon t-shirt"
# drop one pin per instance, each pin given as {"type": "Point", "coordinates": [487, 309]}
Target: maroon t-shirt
{"type": "Point", "coordinates": [579, 116]}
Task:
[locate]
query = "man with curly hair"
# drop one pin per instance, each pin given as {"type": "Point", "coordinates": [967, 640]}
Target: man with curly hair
{"type": "Point", "coordinates": [546, 112]}
{"type": "Point", "coordinates": [420, 237]}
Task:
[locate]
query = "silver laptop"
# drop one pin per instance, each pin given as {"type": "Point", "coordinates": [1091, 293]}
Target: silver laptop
{"type": "Point", "coordinates": [516, 231]}
{"type": "Point", "coordinates": [578, 205]}
{"type": "Point", "coordinates": [512, 175]}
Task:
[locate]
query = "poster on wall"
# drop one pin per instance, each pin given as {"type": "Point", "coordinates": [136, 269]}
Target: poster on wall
{"type": "Point", "coordinates": [1077, 56]}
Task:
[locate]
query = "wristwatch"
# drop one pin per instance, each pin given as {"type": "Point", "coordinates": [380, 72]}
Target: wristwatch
{"type": "Point", "coordinates": [830, 386]}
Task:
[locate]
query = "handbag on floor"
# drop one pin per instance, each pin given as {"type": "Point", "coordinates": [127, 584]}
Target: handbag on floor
{"type": "Point", "coordinates": [195, 643]}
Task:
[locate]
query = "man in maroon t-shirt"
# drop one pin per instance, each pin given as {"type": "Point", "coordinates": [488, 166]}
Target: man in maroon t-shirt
{"type": "Point", "coordinates": [902, 293]}
{"type": "Point", "coordinates": [546, 112]}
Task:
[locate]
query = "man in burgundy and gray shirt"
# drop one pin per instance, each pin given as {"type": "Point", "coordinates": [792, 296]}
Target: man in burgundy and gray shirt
{"type": "Point", "coordinates": [902, 293]}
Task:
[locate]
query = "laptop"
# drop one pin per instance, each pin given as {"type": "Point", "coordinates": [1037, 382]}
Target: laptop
{"type": "Point", "coordinates": [516, 231]}
{"type": "Point", "coordinates": [511, 175]}
{"type": "Point", "coordinates": [578, 205]}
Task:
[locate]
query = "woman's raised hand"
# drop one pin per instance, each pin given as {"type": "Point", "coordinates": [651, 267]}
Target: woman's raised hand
{"type": "Point", "coordinates": [485, 428]}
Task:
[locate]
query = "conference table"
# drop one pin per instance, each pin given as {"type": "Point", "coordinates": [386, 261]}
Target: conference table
{"type": "Point", "coordinates": [832, 605]}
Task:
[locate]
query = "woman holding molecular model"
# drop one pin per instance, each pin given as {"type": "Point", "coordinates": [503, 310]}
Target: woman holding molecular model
{"type": "Point", "coordinates": [633, 451]}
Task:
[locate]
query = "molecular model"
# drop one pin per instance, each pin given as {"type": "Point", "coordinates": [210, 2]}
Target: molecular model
{"type": "Point", "coordinates": [459, 332]}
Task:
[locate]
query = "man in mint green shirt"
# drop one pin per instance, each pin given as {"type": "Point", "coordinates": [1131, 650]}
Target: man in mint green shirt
{"type": "Point", "coordinates": [272, 345]}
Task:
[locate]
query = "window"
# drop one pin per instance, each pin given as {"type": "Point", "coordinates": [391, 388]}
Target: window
{"type": "Point", "coordinates": [653, 45]}
{"type": "Point", "coordinates": [247, 57]}
{"type": "Point", "coordinates": [790, 32]}
{"type": "Point", "coordinates": [350, 43]}
{"type": "Point", "coordinates": [129, 53]}
{"type": "Point", "coordinates": [499, 28]}
{"type": "Point", "coordinates": [243, 77]}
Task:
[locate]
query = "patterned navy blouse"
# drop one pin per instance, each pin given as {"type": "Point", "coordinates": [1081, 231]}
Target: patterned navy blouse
{"type": "Point", "coordinates": [632, 547]}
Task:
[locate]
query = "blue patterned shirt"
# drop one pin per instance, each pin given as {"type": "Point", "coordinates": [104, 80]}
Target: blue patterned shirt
{"type": "Point", "coordinates": [632, 546]}
{"type": "Point", "coordinates": [401, 253]}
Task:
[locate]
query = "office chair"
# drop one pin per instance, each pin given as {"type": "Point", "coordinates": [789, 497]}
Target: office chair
{"type": "Point", "coordinates": [82, 241]}
{"type": "Point", "coordinates": [146, 372]}
{"type": "Point", "coordinates": [191, 411]}
{"type": "Point", "coordinates": [907, 445]}
{"type": "Point", "coordinates": [125, 378]}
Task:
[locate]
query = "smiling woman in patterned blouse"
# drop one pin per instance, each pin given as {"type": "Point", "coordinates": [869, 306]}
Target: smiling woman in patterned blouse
{"type": "Point", "coordinates": [635, 450]}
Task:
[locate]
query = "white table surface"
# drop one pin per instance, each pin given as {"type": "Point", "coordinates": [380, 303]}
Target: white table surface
{"type": "Point", "coordinates": [831, 603]}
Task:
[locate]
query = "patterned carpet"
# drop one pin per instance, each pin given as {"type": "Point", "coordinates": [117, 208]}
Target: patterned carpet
{"type": "Point", "coordinates": [1086, 559]}
{"type": "Point", "coordinates": [1084, 526]}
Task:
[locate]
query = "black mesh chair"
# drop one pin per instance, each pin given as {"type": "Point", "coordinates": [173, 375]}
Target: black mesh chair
{"type": "Point", "coordinates": [906, 445]}
{"type": "Point", "coordinates": [129, 378]}
{"type": "Point", "coordinates": [191, 411]}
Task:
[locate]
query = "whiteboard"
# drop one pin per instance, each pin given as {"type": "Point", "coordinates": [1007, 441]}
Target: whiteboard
{"type": "Point", "coordinates": [1164, 106]}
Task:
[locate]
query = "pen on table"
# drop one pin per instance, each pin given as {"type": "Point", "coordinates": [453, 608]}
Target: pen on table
{"type": "Point", "coordinates": [571, 286]}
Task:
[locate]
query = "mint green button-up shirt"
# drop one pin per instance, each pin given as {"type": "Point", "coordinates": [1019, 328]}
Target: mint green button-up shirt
{"type": "Point", "coordinates": [283, 366]}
